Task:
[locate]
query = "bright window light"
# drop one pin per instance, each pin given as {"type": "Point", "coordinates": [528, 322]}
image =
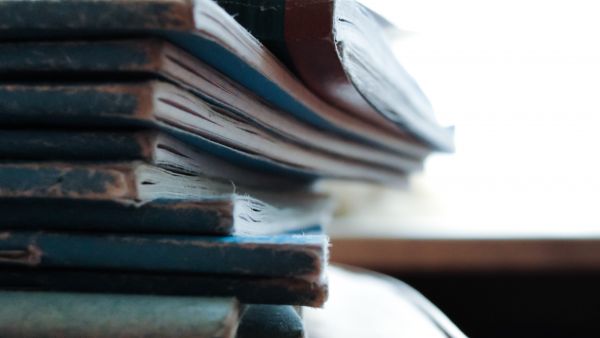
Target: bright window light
{"type": "Point", "coordinates": [520, 80]}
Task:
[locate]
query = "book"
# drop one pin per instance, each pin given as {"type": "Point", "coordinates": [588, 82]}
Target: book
{"type": "Point", "coordinates": [356, 69]}
{"type": "Point", "coordinates": [137, 197]}
{"type": "Point", "coordinates": [208, 33]}
{"type": "Point", "coordinates": [265, 321]}
{"type": "Point", "coordinates": [150, 146]}
{"type": "Point", "coordinates": [301, 256]}
{"type": "Point", "coordinates": [158, 58]}
{"type": "Point", "coordinates": [159, 105]}
{"type": "Point", "coordinates": [248, 289]}
{"type": "Point", "coordinates": [51, 314]}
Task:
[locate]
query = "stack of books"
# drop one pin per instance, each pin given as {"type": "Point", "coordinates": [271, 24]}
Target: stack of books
{"type": "Point", "coordinates": [158, 167]}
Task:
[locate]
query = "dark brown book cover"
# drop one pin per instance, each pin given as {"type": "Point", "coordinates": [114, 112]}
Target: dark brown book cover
{"type": "Point", "coordinates": [309, 36]}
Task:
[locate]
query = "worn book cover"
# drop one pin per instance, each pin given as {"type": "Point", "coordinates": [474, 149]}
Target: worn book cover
{"type": "Point", "coordinates": [302, 256]}
{"type": "Point", "coordinates": [31, 314]}
{"type": "Point", "coordinates": [208, 33]}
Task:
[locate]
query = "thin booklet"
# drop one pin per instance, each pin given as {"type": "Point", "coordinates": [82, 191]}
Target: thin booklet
{"type": "Point", "coordinates": [138, 197]}
{"type": "Point", "coordinates": [356, 69]}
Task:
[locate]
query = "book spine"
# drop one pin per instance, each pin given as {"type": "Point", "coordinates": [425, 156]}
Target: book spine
{"type": "Point", "coordinates": [85, 57]}
{"type": "Point", "coordinates": [58, 180]}
{"type": "Point", "coordinates": [158, 216]}
{"type": "Point", "coordinates": [31, 18]}
{"type": "Point", "coordinates": [258, 290]}
{"type": "Point", "coordinates": [76, 145]}
{"type": "Point", "coordinates": [274, 256]}
{"type": "Point", "coordinates": [33, 314]}
{"type": "Point", "coordinates": [106, 105]}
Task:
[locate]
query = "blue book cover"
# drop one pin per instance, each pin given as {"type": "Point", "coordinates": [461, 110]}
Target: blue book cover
{"type": "Point", "coordinates": [206, 31]}
{"type": "Point", "coordinates": [248, 289]}
{"type": "Point", "coordinates": [302, 256]}
{"type": "Point", "coordinates": [181, 114]}
{"type": "Point", "coordinates": [31, 314]}
{"type": "Point", "coordinates": [137, 197]}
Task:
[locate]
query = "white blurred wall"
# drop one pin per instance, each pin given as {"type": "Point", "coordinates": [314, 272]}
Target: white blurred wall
{"type": "Point", "coordinates": [520, 80]}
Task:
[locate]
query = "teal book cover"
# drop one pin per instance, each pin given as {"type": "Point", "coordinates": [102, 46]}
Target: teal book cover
{"type": "Point", "coordinates": [248, 289]}
{"type": "Point", "coordinates": [30, 314]}
{"type": "Point", "coordinates": [35, 314]}
{"type": "Point", "coordinates": [300, 256]}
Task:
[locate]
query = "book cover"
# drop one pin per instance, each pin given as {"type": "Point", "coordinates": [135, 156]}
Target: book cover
{"type": "Point", "coordinates": [30, 314]}
{"type": "Point", "coordinates": [302, 256]}
{"type": "Point", "coordinates": [207, 32]}
{"type": "Point", "coordinates": [247, 289]}
{"type": "Point", "coordinates": [137, 197]}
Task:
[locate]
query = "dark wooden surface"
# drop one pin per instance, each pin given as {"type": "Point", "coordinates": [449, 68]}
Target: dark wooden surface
{"type": "Point", "coordinates": [516, 304]}
{"type": "Point", "coordinates": [495, 287]}
{"type": "Point", "coordinates": [452, 255]}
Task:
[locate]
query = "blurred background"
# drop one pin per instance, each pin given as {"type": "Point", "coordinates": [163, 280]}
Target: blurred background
{"type": "Point", "coordinates": [501, 235]}
{"type": "Point", "coordinates": [519, 80]}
